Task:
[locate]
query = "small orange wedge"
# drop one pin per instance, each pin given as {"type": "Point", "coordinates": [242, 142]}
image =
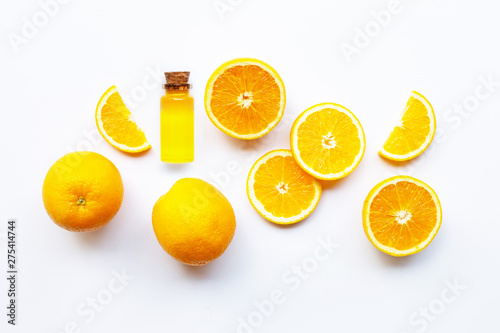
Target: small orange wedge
{"type": "Point", "coordinates": [116, 124]}
{"type": "Point", "coordinates": [280, 190]}
{"type": "Point", "coordinates": [401, 215]}
{"type": "Point", "coordinates": [245, 98]}
{"type": "Point", "coordinates": [414, 132]}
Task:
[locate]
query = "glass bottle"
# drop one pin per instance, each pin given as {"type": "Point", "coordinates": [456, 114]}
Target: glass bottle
{"type": "Point", "coordinates": [177, 119]}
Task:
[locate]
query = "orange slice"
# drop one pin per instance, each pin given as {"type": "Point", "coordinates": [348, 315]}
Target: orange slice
{"type": "Point", "coordinates": [280, 190]}
{"type": "Point", "coordinates": [245, 98]}
{"type": "Point", "coordinates": [327, 141]}
{"type": "Point", "coordinates": [401, 215]}
{"type": "Point", "coordinates": [414, 132]}
{"type": "Point", "coordinates": [116, 124]}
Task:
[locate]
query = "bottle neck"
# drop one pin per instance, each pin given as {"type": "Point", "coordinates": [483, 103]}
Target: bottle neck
{"type": "Point", "coordinates": [176, 92]}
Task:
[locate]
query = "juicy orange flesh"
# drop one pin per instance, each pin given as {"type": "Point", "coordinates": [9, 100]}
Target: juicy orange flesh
{"type": "Point", "coordinates": [398, 200]}
{"type": "Point", "coordinates": [245, 99]}
{"type": "Point", "coordinates": [118, 123]}
{"type": "Point", "coordinates": [297, 187]}
{"type": "Point", "coordinates": [325, 128]}
{"type": "Point", "coordinates": [413, 132]}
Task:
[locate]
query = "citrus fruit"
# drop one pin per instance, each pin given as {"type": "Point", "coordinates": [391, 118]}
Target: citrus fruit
{"type": "Point", "coordinates": [245, 98]}
{"type": "Point", "coordinates": [401, 215]}
{"type": "Point", "coordinates": [327, 141]}
{"type": "Point", "coordinates": [280, 190]}
{"type": "Point", "coordinates": [116, 124]}
{"type": "Point", "coordinates": [82, 191]}
{"type": "Point", "coordinates": [414, 132]}
{"type": "Point", "coordinates": [194, 222]}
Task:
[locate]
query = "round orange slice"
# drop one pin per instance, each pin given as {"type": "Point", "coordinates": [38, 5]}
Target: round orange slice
{"type": "Point", "coordinates": [414, 132]}
{"type": "Point", "coordinates": [245, 98]}
{"type": "Point", "coordinates": [280, 190]}
{"type": "Point", "coordinates": [327, 141]}
{"type": "Point", "coordinates": [116, 124]}
{"type": "Point", "coordinates": [401, 215]}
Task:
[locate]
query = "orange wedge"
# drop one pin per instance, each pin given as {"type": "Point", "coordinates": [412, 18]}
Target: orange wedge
{"type": "Point", "coordinates": [280, 190]}
{"type": "Point", "coordinates": [245, 98]}
{"type": "Point", "coordinates": [116, 124]}
{"type": "Point", "coordinates": [401, 215]}
{"type": "Point", "coordinates": [414, 132]}
{"type": "Point", "coordinates": [327, 141]}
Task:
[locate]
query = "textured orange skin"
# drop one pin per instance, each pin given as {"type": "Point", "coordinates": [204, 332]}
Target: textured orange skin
{"type": "Point", "coordinates": [90, 176]}
{"type": "Point", "coordinates": [193, 222]}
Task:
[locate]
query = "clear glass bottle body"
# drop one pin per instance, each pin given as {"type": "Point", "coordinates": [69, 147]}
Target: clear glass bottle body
{"type": "Point", "coordinates": [177, 126]}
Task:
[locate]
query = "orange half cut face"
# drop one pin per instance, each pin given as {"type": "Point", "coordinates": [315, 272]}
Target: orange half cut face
{"type": "Point", "coordinates": [280, 190]}
{"type": "Point", "coordinates": [245, 98]}
{"type": "Point", "coordinates": [401, 215]}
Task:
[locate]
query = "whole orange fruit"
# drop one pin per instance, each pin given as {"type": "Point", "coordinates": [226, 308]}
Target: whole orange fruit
{"type": "Point", "coordinates": [82, 191]}
{"type": "Point", "coordinates": [194, 222]}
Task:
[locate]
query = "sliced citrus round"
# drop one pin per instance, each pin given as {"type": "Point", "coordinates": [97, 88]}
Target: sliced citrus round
{"type": "Point", "coordinates": [280, 190]}
{"type": "Point", "coordinates": [245, 98]}
{"type": "Point", "coordinates": [401, 215]}
{"type": "Point", "coordinates": [327, 141]}
{"type": "Point", "coordinates": [414, 132]}
{"type": "Point", "coordinates": [116, 124]}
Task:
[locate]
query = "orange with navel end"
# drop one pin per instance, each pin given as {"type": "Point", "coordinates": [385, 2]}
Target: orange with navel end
{"type": "Point", "coordinates": [82, 191]}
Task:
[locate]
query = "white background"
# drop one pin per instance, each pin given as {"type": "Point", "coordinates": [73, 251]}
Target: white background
{"type": "Point", "coordinates": [50, 88]}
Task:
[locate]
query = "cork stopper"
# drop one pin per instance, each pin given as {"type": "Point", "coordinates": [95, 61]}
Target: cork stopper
{"type": "Point", "coordinates": [177, 81]}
